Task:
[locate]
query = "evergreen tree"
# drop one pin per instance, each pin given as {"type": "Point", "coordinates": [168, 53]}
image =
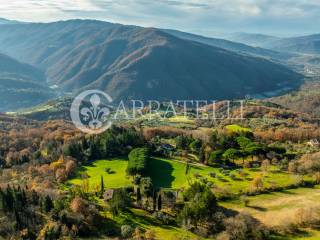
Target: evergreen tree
{"type": "Point", "coordinates": [24, 198]}
{"type": "Point", "coordinates": [187, 169]}
{"type": "Point", "coordinates": [34, 197]}
{"type": "Point", "coordinates": [9, 199]}
{"type": "Point", "coordinates": [18, 219]}
{"type": "Point", "coordinates": [138, 195]}
{"type": "Point", "coordinates": [159, 202]}
{"type": "Point", "coordinates": [101, 186]}
{"type": "Point", "coordinates": [202, 154]}
{"type": "Point", "coordinates": [154, 200]}
{"type": "Point", "coordinates": [48, 204]}
{"type": "Point", "coordinates": [2, 199]}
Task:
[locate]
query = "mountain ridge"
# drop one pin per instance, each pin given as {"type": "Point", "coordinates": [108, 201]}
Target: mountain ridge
{"type": "Point", "coordinates": [131, 61]}
{"type": "Point", "coordinates": [21, 85]}
{"type": "Point", "coordinates": [309, 44]}
{"type": "Point", "coordinates": [232, 46]}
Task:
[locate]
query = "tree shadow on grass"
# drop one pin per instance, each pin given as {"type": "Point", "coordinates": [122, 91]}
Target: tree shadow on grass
{"type": "Point", "coordinates": [144, 220]}
{"type": "Point", "coordinates": [287, 191]}
{"type": "Point", "coordinates": [258, 208]}
{"type": "Point", "coordinates": [161, 173]}
{"type": "Point", "coordinates": [196, 167]}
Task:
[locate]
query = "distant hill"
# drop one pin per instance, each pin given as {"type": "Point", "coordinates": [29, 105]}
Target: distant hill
{"type": "Point", "coordinates": [58, 108]}
{"type": "Point", "coordinates": [233, 46]}
{"type": "Point", "coordinates": [21, 85]}
{"type": "Point", "coordinates": [305, 100]}
{"type": "Point", "coordinates": [252, 39]}
{"type": "Point", "coordinates": [130, 62]}
{"type": "Point", "coordinates": [305, 44]}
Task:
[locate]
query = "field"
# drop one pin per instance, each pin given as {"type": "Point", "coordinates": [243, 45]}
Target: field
{"type": "Point", "coordinates": [278, 208]}
{"type": "Point", "coordinates": [171, 173]}
{"type": "Point", "coordinates": [180, 119]}
{"type": "Point", "coordinates": [271, 209]}
{"type": "Point", "coordinates": [116, 179]}
{"type": "Point", "coordinates": [237, 128]}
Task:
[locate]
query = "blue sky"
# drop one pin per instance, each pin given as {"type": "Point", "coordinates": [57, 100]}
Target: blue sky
{"type": "Point", "coordinates": [208, 17]}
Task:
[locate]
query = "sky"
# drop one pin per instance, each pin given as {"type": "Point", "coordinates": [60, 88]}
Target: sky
{"type": "Point", "coordinates": [206, 17]}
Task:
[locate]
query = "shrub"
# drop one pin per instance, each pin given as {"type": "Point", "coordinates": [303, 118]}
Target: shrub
{"type": "Point", "coordinates": [287, 228]}
{"type": "Point", "coordinates": [265, 165]}
{"type": "Point", "coordinates": [137, 234]}
{"type": "Point", "coordinates": [245, 200]}
{"type": "Point", "coordinates": [215, 157]}
{"type": "Point", "coordinates": [292, 167]}
{"type": "Point", "coordinates": [247, 165]}
{"type": "Point", "coordinates": [70, 167]}
{"type": "Point", "coordinates": [243, 174]}
{"type": "Point", "coordinates": [317, 177]}
{"type": "Point", "coordinates": [149, 235]}
{"type": "Point", "coordinates": [210, 184]}
{"type": "Point", "coordinates": [164, 218]}
{"type": "Point", "coordinates": [78, 205]}
{"type": "Point", "coordinates": [197, 175]}
{"type": "Point", "coordinates": [61, 175]}
{"type": "Point", "coordinates": [212, 174]}
{"type": "Point", "coordinates": [126, 231]}
{"type": "Point", "coordinates": [232, 176]}
{"type": "Point", "coordinates": [120, 201]}
{"type": "Point", "coordinates": [243, 227]}
{"type": "Point", "coordinates": [307, 217]}
{"type": "Point", "coordinates": [309, 163]}
{"type": "Point", "coordinates": [257, 183]}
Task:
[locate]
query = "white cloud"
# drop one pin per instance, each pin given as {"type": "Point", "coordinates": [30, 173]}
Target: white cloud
{"type": "Point", "coordinates": [203, 15]}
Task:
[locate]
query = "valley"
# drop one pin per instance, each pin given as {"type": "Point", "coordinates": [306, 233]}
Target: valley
{"type": "Point", "coordinates": [131, 62]}
{"type": "Point", "coordinates": [246, 166]}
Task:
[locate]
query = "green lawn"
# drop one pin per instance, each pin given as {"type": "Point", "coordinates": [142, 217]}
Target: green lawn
{"type": "Point", "coordinates": [167, 173]}
{"type": "Point", "coordinates": [268, 208]}
{"type": "Point", "coordinates": [237, 128]}
{"type": "Point", "coordinates": [171, 174]}
{"type": "Point", "coordinates": [98, 168]}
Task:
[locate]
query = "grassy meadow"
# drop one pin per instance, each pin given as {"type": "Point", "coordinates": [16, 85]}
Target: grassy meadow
{"type": "Point", "coordinates": [279, 208]}
{"type": "Point", "coordinates": [272, 209]}
{"type": "Point", "coordinates": [116, 178]}
{"type": "Point", "coordinates": [172, 173]}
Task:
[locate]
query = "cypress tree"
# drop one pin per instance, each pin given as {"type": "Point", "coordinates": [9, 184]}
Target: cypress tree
{"type": "Point", "coordinates": [138, 195]}
{"type": "Point", "coordinates": [9, 199]}
{"type": "Point", "coordinates": [24, 198]}
{"type": "Point", "coordinates": [41, 204]}
{"type": "Point", "coordinates": [34, 197]}
{"type": "Point", "coordinates": [159, 202]}
{"type": "Point", "coordinates": [202, 154]}
{"type": "Point", "coordinates": [2, 205]}
{"type": "Point", "coordinates": [102, 186]}
{"type": "Point", "coordinates": [18, 219]}
{"type": "Point", "coordinates": [48, 204]}
{"type": "Point", "coordinates": [154, 200]}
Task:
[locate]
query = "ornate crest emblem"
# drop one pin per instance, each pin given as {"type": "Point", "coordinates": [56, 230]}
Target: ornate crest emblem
{"type": "Point", "coordinates": [89, 111]}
